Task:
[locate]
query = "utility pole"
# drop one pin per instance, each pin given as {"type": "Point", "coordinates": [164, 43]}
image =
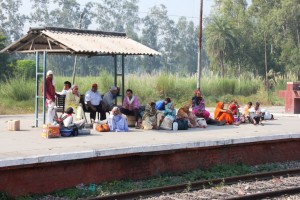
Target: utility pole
{"type": "Point", "coordinates": [75, 61]}
{"type": "Point", "coordinates": [266, 63]}
{"type": "Point", "coordinates": [199, 45]}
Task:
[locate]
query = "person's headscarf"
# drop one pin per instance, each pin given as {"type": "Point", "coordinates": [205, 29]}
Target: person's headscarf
{"type": "Point", "coordinates": [218, 109]}
{"type": "Point", "coordinates": [116, 111]}
{"type": "Point", "coordinates": [73, 86]}
{"type": "Point", "coordinates": [183, 111]}
{"type": "Point", "coordinates": [196, 91]}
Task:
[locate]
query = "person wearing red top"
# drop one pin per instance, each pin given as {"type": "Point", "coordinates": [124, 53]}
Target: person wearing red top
{"type": "Point", "coordinates": [50, 97]}
{"type": "Point", "coordinates": [233, 107]}
{"type": "Point", "coordinates": [222, 114]}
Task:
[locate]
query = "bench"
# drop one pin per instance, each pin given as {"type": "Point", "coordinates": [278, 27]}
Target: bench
{"type": "Point", "coordinates": [60, 103]}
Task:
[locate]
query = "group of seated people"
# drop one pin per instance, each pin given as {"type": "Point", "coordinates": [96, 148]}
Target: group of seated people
{"type": "Point", "coordinates": [232, 115]}
{"type": "Point", "coordinates": [154, 115]}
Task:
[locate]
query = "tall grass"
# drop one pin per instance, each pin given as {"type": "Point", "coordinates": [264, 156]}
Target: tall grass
{"type": "Point", "coordinates": [18, 89]}
{"type": "Point", "coordinates": [20, 92]}
{"type": "Point", "coordinates": [181, 88]}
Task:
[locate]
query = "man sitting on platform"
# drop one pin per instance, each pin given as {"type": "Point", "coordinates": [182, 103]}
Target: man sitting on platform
{"type": "Point", "coordinates": [161, 105]}
{"type": "Point", "coordinates": [131, 106]}
{"type": "Point", "coordinates": [93, 103]}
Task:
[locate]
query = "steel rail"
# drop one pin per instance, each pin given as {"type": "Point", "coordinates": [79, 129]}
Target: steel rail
{"type": "Point", "coordinates": [198, 185]}
{"type": "Point", "coordinates": [270, 194]}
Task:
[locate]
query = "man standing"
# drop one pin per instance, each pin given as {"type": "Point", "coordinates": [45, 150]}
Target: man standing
{"type": "Point", "coordinates": [50, 97]}
{"type": "Point", "coordinates": [93, 103]}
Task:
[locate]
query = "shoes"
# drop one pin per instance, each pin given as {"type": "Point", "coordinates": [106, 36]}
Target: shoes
{"type": "Point", "coordinates": [222, 123]}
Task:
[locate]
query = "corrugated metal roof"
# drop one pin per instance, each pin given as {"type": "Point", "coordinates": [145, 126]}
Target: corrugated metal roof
{"type": "Point", "coordinates": [76, 41]}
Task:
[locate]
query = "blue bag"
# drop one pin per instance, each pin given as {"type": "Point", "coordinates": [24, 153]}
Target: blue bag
{"type": "Point", "coordinates": [69, 131]}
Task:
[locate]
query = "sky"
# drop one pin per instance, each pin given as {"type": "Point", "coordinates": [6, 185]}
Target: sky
{"type": "Point", "coordinates": [176, 8]}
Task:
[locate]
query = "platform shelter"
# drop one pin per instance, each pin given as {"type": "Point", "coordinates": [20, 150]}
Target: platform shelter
{"type": "Point", "coordinates": [55, 40]}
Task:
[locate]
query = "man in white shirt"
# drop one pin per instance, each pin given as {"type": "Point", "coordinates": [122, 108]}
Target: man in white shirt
{"type": "Point", "coordinates": [93, 103]}
{"type": "Point", "coordinates": [66, 88]}
{"type": "Point", "coordinates": [256, 114]}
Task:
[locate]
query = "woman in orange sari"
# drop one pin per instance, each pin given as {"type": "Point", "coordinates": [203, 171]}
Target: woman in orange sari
{"type": "Point", "coordinates": [222, 114]}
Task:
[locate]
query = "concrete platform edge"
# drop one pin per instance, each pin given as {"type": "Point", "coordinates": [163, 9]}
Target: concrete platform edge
{"type": "Point", "coordinates": [9, 162]}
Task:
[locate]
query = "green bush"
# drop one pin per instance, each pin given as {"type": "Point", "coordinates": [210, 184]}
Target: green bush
{"type": "Point", "coordinates": [18, 89]}
{"type": "Point", "coordinates": [25, 68]}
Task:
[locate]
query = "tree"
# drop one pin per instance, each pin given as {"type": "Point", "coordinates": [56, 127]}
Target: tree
{"type": "Point", "coordinates": [40, 13]}
{"type": "Point", "coordinates": [221, 41]}
{"type": "Point", "coordinates": [5, 70]}
{"type": "Point", "coordinates": [118, 15]}
{"type": "Point", "coordinates": [280, 20]}
{"type": "Point", "coordinates": [153, 35]}
{"type": "Point", "coordinates": [186, 48]}
{"type": "Point", "coordinates": [11, 21]}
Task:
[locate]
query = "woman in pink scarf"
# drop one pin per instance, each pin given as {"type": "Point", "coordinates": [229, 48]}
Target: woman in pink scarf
{"type": "Point", "coordinates": [131, 106]}
{"type": "Point", "coordinates": [198, 108]}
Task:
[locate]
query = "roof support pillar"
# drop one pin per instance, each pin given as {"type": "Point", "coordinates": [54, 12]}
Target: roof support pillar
{"type": "Point", "coordinates": [116, 74]}
{"type": "Point", "coordinates": [123, 80]}
{"type": "Point", "coordinates": [37, 60]}
{"type": "Point", "coordinates": [44, 85]}
{"type": "Point", "coordinates": [37, 74]}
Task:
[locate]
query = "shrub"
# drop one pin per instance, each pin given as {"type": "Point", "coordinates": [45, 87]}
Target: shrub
{"type": "Point", "coordinates": [26, 68]}
{"type": "Point", "coordinates": [18, 89]}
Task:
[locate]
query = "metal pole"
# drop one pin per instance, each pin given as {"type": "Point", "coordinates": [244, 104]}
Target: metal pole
{"type": "Point", "coordinates": [44, 85]}
{"type": "Point", "coordinates": [74, 70]}
{"type": "Point", "coordinates": [37, 89]}
{"type": "Point", "coordinates": [116, 74]}
{"type": "Point", "coordinates": [116, 69]}
{"type": "Point", "coordinates": [200, 45]}
{"type": "Point", "coordinates": [123, 83]}
{"type": "Point", "coordinates": [266, 63]}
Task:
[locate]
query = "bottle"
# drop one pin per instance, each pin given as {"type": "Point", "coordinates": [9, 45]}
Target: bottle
{"type": "Point", "coordinates": [175, 126]}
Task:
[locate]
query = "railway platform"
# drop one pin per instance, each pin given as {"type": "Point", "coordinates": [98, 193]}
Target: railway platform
{"type": "Point", "coordinates": [30, 164]}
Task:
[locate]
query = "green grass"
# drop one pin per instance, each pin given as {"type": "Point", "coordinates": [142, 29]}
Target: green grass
{"type": "Point", "coordinates": [114, 187]}
{"type": "Point", "coordinates": [18, 89]}
{"type": "Point", "coordinates": [21, 92]}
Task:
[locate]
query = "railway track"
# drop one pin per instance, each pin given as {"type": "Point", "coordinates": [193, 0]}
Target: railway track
{"type": "Point", "coordinates": [271, 194]}
{"type": "Point", "coordinates": [192, 186]}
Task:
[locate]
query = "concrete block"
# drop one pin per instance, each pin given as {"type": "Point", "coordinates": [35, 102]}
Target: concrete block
{"type": "Point", "coordinates": [14, 125]}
